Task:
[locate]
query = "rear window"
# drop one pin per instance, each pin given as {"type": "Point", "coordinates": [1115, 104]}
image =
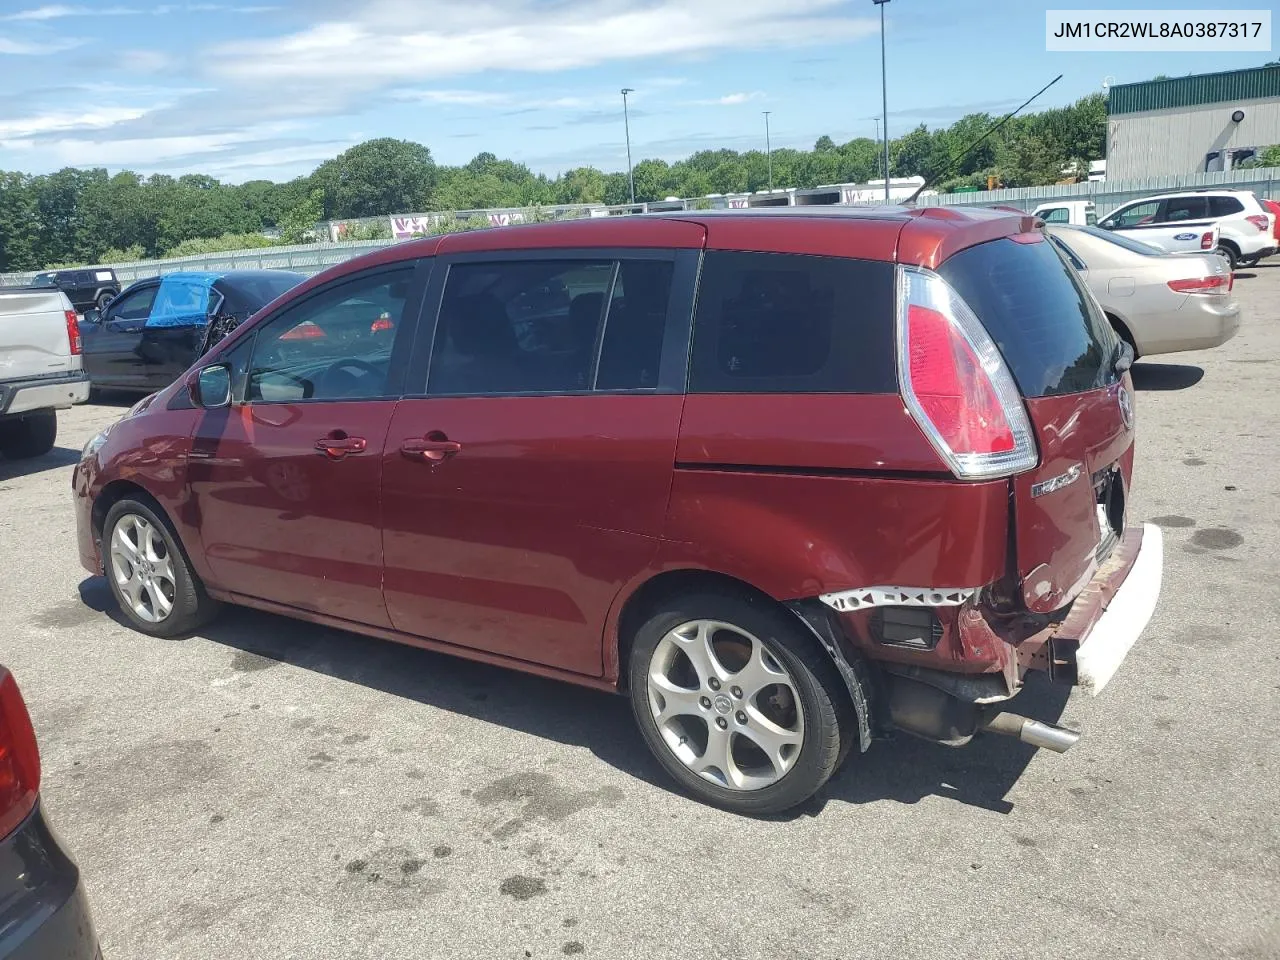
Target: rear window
{"type": "Point", "coordinates": [789, 323]}
{"type": "Point", "coordinates": [1052, 335]}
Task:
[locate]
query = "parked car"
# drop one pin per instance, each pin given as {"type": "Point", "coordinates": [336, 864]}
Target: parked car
{"type": "Point", "coordinates": [157, 328]}
{"type": "Point", "coordinates": [40, 368]}
{"type": "Point", "coordinates": [1273, 209]}
{"type": "Point", "coordinates": [1177, 222]}
{"type": "Point", "coordinates": [680, 456]}
{"type": "Point", "coordinates": [45, 911]}
{"type": "Point", "coordinates": [1158, 302]}
{"type": "Point", "coordinates": [94, 287]}
{"type": "Point", "coordinates": [1067, 211]}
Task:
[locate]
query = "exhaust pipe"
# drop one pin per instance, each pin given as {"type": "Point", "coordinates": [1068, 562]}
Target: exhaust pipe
{"type": "Point", "coordinates": [1046, 735]}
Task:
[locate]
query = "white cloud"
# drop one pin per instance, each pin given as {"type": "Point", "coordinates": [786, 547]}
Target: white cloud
{"type": "Point", "coordinates": [21, 48]}
{"type": "Point", "coordinates": [395, 41]}
{"type": "Point", "coordinates": [731, 99]}
{"type": "Point", "coordinates": [98, 119]}
{"type": "Point", "coordinates": [56, 11]}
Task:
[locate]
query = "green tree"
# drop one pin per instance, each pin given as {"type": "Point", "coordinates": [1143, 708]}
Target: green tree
{"type": "Point", "coordinates": [375, 178]}
{"type": "Point", "coordinates": [298, 225]}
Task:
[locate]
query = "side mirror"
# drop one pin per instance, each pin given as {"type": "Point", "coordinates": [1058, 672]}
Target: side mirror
{"type": "Point", "coordinates": [211, 388]}
{"type": "Point", "coordinates": [92, 315]}
{"type": "Point", "coordinates": [1107, 224]}
{"type": "Point", "coordinates": [1124, 357]}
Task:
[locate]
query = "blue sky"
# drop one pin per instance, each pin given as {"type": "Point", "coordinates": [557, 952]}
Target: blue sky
{"type": "Point", "coordinates": [269, 88]}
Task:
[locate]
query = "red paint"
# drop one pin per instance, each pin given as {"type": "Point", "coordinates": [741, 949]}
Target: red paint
{"type": "Point", "coordinates": [1057, 533]}
{"type": "Point", "coordinates": [820, 431]}
{"type": "Point", "coordinates": [287, 495]}
{"type": "Point", "coordinates": [519, 542]}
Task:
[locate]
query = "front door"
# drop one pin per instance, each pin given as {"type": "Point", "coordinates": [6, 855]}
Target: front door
{"type": "Point", "coordinates": [111, 346]}
{"type": "Point", "coordinates": [173, 333]}
{"type": "Point", "coordinates": [286, 480]}
{"type": "Point", "coordinates": [529, 481]}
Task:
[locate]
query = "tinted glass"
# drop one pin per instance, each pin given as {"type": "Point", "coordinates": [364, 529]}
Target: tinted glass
{"type": "Point", "coordinates": [520, 327]}
{"type": "Point", "coordinates": [248, 294]}
{"type": "Point", "coordinates": [1185, 208]}
{"type": "Point", "coordinates": [1051, 334]}
{"type": "Point", "coordinates": [632, 347]}
{"type": "Point", "coordinates": [1139, 213]}
{"type": "Point", "coordinates": [785, 323]}
{"type": "Point", "coordinates": [1056, 215]}
{"type": "Point", "coordinates": [334, 346]}
{"type": "Point", "coordinates": [133, 306]}
{"type": "Point", "coordinates": [1224, 206]}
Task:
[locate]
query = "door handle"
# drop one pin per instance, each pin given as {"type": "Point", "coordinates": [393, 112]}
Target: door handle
{"type": "Point", "coordinates": [340, 447]}
{"type": "Point", "coordinates": [432, 448]}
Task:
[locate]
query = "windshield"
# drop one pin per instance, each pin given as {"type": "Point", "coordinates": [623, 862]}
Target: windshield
{"type": "Point", "coordinates": [1133, 246]}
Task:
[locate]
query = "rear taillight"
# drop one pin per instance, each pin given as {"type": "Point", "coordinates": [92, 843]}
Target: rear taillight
{"type": "Point", "coordinates": [73, 332]}
{"type": "Point", "coordinates": [19, 757]}
{"type": "Point", "coordinates": [1214, 284]}
{"type": "Point", "coordinates": [1260, 221]}
{"type": "Point", "coordinates": [955, 383]}
{"type": "Point", "coordinates": [1206, 241]}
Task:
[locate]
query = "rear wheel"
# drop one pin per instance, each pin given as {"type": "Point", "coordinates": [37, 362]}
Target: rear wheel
{"type": "Point", "coordinates": [737, 704]}
{"type": "Point", "coordinates": [1123, 333]}
{"type": "Point", "coordinates": [1248, 261]}
{"type": "Point", "coordinates": [149, 573]}
{"type": "Point", "coordinates": [30, 435]}
{"type": "Point", "coordinates": [1231, 253]}
{"type": "Point", "coordinates": [105, 297]}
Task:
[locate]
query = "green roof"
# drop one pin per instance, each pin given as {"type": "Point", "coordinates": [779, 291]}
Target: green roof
{"type": "Point", "coordinates": [1227, 87]}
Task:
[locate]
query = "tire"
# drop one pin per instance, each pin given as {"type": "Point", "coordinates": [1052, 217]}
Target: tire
{"type": "Point", "coordinates": [1248, 261]}
{"type": "Point", "coordinates": [1123, 333]}
{"type": "Point", "coordinates": [103, 298]}
{"type": "Point", "coordinates": [1233, 258]}
{"type": "Point", "coordinates": [30, 435]}
{"type": "Point", "coordinates": [143, 589]}
{"type": "Point", "coordinates": [751, 640]}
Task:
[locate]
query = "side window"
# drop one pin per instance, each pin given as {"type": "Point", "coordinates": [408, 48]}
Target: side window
{"type": "Point", "coordinates": [1179, 209]}
{"type": "Point", "coordinates": [785, 323]}
{"type": "Point", "coordinates": [1137, 215]}
{"type": "Point", "coordinates": [334, 346]}
{"type": "Point", "coordinates": [519, 327]}
{"type": "Point", "coordinates": [633, 333]}
{"type": "Point", "coordinates": [1056, 215]}
{"type": "Point", "coordinates": [1224, 206]}
{"type": "Point", "coordinates": [179, 302]}
{"type": "Point", "coordinates": [134, 306]}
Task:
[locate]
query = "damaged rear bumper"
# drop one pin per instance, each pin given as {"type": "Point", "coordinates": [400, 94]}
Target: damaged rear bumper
{"type": "Point", "coordinates": [1106, 619]}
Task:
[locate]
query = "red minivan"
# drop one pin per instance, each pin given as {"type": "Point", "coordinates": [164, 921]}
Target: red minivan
{"type": "Point", "coordinates": [791, 480]}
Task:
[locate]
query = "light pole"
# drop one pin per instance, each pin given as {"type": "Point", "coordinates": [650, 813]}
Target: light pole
{"type": "Point", "coordinates": [877, 120]}
{"type": "Point", "coordinates": [884, 95]}
{"type": "Point", "coordinates": [626, 119]}
{"type": "Point", "coordinates": [768, 146]}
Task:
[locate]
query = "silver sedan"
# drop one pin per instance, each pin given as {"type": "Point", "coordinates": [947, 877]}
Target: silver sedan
{"type": "Point", "coordinates": [1158, 302]}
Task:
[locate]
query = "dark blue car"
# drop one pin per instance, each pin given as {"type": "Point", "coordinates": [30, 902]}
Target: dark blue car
{"type": "Point", "coordinates": [155, 329]}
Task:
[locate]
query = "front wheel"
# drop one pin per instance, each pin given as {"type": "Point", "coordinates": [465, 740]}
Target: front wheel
{"type": "Point", "coordinates": [149, 573]}
{"type": "Point", "coordinates": [737, 703]}
{"type": "Point", "coordinates": [1248, 261]}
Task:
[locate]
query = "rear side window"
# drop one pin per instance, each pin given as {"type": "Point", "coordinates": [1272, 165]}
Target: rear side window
{"type": "Point", "coordinates": [1179, 209]}
{"type": "Point", "coordinates": [1224, 206]}
{"type": "Point", "coordinates": [1052, 336]}
{"type": "Point", "coordinates": [788, 323]}
{"type": "Point", "coordinates": [1056, 215]}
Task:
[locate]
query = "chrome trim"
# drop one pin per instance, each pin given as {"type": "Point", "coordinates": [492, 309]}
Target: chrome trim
{"type": "Point", "coordinates": [1058, 482]}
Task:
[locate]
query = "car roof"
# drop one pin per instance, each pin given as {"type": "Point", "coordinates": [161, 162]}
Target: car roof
{"type": "Point", "coordinates": [923, 236]}
{"type": "Point", "coordinates": [1206, 192]}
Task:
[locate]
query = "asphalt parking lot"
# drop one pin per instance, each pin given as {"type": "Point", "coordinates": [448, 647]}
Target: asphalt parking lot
{"type": "Point", "coordinates": [276, 790]}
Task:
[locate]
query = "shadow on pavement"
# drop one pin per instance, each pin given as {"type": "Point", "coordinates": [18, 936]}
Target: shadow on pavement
{"type": "Point", "coordinates": [55, 458]}
{"type": "Point", "coordinates": [1241, 275]}
{"type": "Point", "coordinates": [1166, 376]}
{"type": "Point", "coordinates": [902, 769]}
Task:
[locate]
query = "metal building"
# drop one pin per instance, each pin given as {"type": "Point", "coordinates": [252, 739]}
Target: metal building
{"type": "Point", "coordinates": [1196, 124]}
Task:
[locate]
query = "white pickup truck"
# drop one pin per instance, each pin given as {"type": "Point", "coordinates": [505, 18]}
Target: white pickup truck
{"type": "Point", "coordinates": [40, 368]}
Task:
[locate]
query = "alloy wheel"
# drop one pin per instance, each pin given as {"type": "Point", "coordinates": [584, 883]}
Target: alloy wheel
{"type": "Point", "coordinates": [142, 568]}
{"type": "Point", "coordinates": [724, 705]}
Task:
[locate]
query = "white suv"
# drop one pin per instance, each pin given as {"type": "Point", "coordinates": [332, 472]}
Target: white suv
{"type": "Point", "coordinates": [1181, 222]}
